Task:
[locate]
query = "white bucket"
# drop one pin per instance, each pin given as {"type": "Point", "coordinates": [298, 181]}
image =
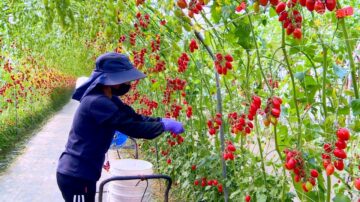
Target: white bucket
{"type": "Point", "coordinates": [129, 195]}
{"type": "Point", "coordinates": [121, 188]}
{"type": "Point", "coordinates": [128, 198]}
{"type": "Point", "coordinates": [130, 190]}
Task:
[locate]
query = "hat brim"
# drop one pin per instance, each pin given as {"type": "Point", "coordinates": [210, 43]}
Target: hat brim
{"type": "Point", "coordinates": [122, 77]}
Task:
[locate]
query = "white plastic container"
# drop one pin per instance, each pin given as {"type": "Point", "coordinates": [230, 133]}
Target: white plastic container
{"type": "Point", "coordinates": [130, 190]}
{"type": "Point", "coordinates": [125, 189]}
{"type": "Point", "coordinates": [116, 195]}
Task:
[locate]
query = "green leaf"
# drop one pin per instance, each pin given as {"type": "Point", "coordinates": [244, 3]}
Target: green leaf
{"type": "Point", "coordinates": [300, 75]}
{"type": "Point", "coordinates": [226, 11]}
{"type": "Point", "coordinates": [341, 198]}
{"type": "Point", "coordinates": [242, 33]}
{"type": "Point", "coordinates": [310, 50]}
{"type": "Point", "coordinates": [349, 93]}
{"type": "Point", "coordinates": [187, 27]}
{"type": "Point", "coordinates": [309, 81]}
{"type": "Point", "coordinates": [344, 110]}
{"type": "Point", "coordinates": [236, 193]}
{"type": "Point", "coordinates": [356, 126]}
{"type": "Point", "coordinates": [329, 123]}
{"type": "Point", "coordinates": [272, 12]}
{"type": "Point", "coordinates": [340, 72]}
{"type": "Point", "coordinates": [355, 106]}
{"type": "Point", "coordinates": [215, 13]}
{"type": "Point", "coordinates": [260, 197]}
{"type": "Point", "coordinates": [185, 184]}
{"type": "Point", "coordinates": [207, 38]}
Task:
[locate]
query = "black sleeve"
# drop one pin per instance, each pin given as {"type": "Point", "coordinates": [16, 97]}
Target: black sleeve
{"type": "Point", "coordinates": [151, 119]}
{"type": "Point", "coordinates": [129, 110]}
{"type": "Point", "coordinates": [139, 117]}
{"type": "Point", "coordinates": [135, 128]}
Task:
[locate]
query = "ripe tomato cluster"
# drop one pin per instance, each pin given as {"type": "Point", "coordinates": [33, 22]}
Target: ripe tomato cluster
{"type": "Point", "coordinates": [214, 124]}
{"type": "Point", "coordinates": [179, 139]}
{"type": "Point", "coordinates": [357, 183]}
{"type": "Point", "coordinates": [155, 44]}
{"type": "Point", "coordinates": [183, 62]}
{"type": "Point", "coordinates": [205, 182]}
{"type": "Point", "coordinates": [25, 83]}
{"type": "Point", "coordinates": [175, 110]}
{"type": "Point", "coordinates": [160, 66]}
{"type": "Point", "coordinates": [319, 5]}
{"type": "Point", "coordinates": [151, 105]}
{"type": "Point", "coordinates": [139, 57]}
{"type": "Point", "coordinates": [291, 18]}
{"type": "Point", "coordinates": [143, 20]}
{"type": "Point", "coordinates": [194, 7]}
{"type": "Point", "coordinates": [223, 63]}
{"type": "Point", "coordinates": [8, 67]}
{"type": "Point", "coordinates": [337, 151]}
{"type": "Point", "coordinates": [163, 22]}
{"type": "Point", "coordinates": [176, 84]}
{"type": "Point", "coordinates": [344, 12]}
{"type": "Point", "coordinates": [240, 124]}
{"type": "Point", "coordinates": [254, 107]}
{"type": "Point", "coordinates": [189, 111]}
{"type": "Point", "coordinates": [240, 7]}
{"type": "Point", "coordinates": [273, 83]}
{"type": "Point", "coordinates": [272, 110]}
{"type": "Point", "coordinates": [296, 163]}
{"type": "Point", "coordinates": [139, 2]}
{"type": "Point", "coordinates": [193, 45]}
{"type": "Point", "coordinates": [243, 124]}
{"type": "Point", "coordinates": [133, 38]}
{"type": "Point", "coordinates": [172, 141]}
{"type": "Point", "coordinates": [122, 38]}
{"type": "Point", "coordinates": [229, 151]}
{"type": "Point", "coordinates": [172, 85]}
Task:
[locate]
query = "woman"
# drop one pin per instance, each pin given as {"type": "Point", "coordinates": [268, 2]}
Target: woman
{"type": "Point", "coordinates": [98, 116]}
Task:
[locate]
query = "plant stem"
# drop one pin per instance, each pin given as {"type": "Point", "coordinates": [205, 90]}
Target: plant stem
{"type": "Point", "coordinates": [242, 141]}
{"type": "Point", "coordinates": [277, 145]}
{"type": "Point", "coordinates": [350, 57]}
{"type": "Point", "coordinates": [211, 25]}
{"type": "Point", "coordinates": [261, 151]}
{"type": "Point", "coordinates": [247, 72]}
{"type": "Point", "coordinates": [281, 159]}
{"type": "Point", "coordinates": [258, 54]}
{"type": "Point", "coordinates": [283, 187]}
{"type": "Point", "coordinates": [324, 80]}
{"type": "Point", "coordinates": [219, 110]}
{"type": "Point", "coordinates": [294, 88]}
{"type": "Point", "coordinates": [328, 190]}
{"type": "Point", "coordinates": [323, 97]}
{"type": "Point", "coordinates": [308, 57]}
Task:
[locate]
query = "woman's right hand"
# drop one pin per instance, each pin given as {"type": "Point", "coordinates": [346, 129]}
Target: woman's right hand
{"type": "Point", "coordinates": [172, 125]}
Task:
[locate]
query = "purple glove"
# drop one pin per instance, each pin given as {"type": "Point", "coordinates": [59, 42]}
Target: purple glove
{"type": "Point", "coordinates": [172, 126]}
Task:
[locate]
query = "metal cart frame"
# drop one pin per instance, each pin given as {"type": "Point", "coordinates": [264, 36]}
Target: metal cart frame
{"type": "Point", "coordinates": [140, 177]}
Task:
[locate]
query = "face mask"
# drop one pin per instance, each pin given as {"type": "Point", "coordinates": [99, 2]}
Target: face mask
{"type": "Point", "coordinates": [122, 90]}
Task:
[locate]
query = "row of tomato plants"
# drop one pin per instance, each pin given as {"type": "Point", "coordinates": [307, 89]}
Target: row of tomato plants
{"type": "Point", "coordinates": [213, 159]}
{"type": "Point", "coordinates": [29, 93]}
{"type": "Point", "coordinates": [242, 78]}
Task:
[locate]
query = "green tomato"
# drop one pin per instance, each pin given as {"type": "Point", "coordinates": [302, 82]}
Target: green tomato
{"type": "Point", "coordinates": [308, 186]}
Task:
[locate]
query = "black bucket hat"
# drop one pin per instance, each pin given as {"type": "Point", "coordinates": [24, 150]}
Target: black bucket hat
{"type": "Point", "coordinates": [111, 69]}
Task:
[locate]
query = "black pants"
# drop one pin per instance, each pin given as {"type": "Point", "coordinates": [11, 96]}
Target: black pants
{"type": "Point", "coordinates": [76, 189]}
